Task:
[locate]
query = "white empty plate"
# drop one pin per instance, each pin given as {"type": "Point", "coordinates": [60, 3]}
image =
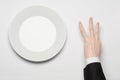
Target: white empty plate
{"type": "Point", "coordinates": [37, 33]}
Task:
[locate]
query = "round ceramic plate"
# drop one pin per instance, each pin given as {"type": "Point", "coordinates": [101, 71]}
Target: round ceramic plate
{"type": "Point", "coordinates": [42, 55]}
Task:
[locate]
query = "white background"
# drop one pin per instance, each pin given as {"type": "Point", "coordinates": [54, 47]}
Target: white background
{"type": "Point", "coordinates": [69, 64]}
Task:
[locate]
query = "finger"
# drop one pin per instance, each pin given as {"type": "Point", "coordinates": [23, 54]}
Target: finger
{"type": "Point", "coordinates": [91, 27]}
{"type": "Point", "coordinates": [82, 30]}
{"type": "Point", "coordinates": [97, 31]}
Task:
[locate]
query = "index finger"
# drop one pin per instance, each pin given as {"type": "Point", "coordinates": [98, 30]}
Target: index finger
{"type": "Point", "coordinates": [82, 30]}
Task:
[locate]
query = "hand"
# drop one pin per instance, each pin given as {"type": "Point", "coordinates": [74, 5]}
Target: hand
{"type": "Point", "coordinates": [92, 44]}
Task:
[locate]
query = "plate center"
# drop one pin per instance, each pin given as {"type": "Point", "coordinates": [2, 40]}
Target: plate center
{"type": "Point", "coordinates": [37, 33]}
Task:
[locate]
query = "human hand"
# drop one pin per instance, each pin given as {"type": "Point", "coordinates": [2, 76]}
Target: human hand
{"type": "Point", "coordinates": [92, 44]}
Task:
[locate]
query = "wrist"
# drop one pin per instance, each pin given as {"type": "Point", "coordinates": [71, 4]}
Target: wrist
{"type": "Point", "coordinates": [92, 60]}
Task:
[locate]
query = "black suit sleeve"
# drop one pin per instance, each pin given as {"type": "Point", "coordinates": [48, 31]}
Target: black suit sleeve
{"type": "Point", "coordinates": [94, 71]}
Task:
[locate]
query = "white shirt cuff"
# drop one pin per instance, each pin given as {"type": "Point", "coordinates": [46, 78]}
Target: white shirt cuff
{"type": "Point", "coordinates": [92, 60]}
